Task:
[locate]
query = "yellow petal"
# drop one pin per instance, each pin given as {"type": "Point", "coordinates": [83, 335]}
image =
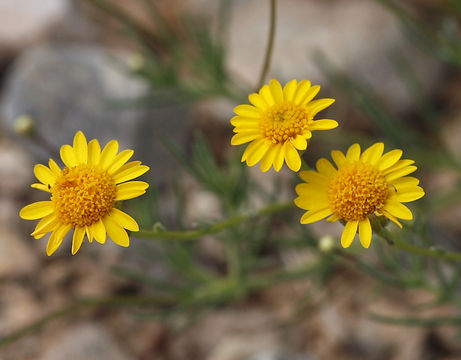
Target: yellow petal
{"type": "Point", "coordinates": [333, 218]}
{"type": "Point", "coordinates": [94, 152]}
{"type": "Point", "coordinates": [245, 122]}
{"type": "Point", "coordinates": [257, 101]}
{"type": "Point", "coordinates": [313, 201]}
{"type": "Point", "coordinates": [89, 232]}
{"type": "Point", "coordinates": [313, 91]}
{"type": "Point", "coordinates": [42, 187]}
{"type": "Point", "coordinates": [120, 160]}
{"type": "Point", "coordinates": [44, 174]}
{"type": "Point", "coordinates": [292, 157]}
{"type": "Point", "coordinates": [108, 154]}
{"type": "Point", "coordinates": [301, 91]}
{"type": "Point", "coordinates": [315, 215]}
{"type": "Point", "coordinates": [268, 158]}
{"type": "Point", "coordinates": [116, 232]}
{"type": "Point", "coordinates": [338, 157]}
{"type": "Point", "coordinates": [311, 190]}
{"type": "Point", "coordinates": [80, 148]}
{"type": "Point", "coordinates": [389, 159]}
{"type": "Point", "coordinates": [324, 124]}
{"type": "Point", "coordinates": [311, 176]}
{"type": "Point", "coordinates": [77, 239]}
{"type": "Point", "coordinates": [56, 238]}
{"type": "Point", "coordinates": [365, 233]}
{"type": "Point", "coordinates": [252, 147]}
{"type": "Point", "coordinates": [68, 156]}
{"type": "Point", "coordinates": [400, 173]}
{"type": "Point", "coordinates": [392, 218]}
{"type": "Point", "coordinates": [349, 233]}
{"type": "Point", "coordinates": [325, 167]}
{"type": "Point", "coordinates": [258, 152]}
{"type": "Point", "coordinates": [398, 165]}
{"type": "Point", "coordinates": [45, 225]}
{"type": "Point", "coordinates": [99, 231]}
{"type": "Point", "coordinates": [248, 111]}
{"type": "Point", "coordinates": [276, 90]}
{"type": "Point", "coordinates": [299, 142]}
{"type": "Point", "coordinates": [239, 139]}
{"type": "Point", "coordinates": [404, 183]}
{"type": "Point", "coordinates": [130, 190]}
{"type": "Point", "coordinates": [55, 169]}
{"type": "Point", "coordinates": [410, 195]}
{"type": "Point", "coordinates": [124, 220]}
{"type": "Point", "coordinates": [266, 94]}
{"type": "Point", "coordinates": [36, 210]}
{"type": "Point", "coordinates": [279, 157]}
{"type": "Point", "coordinates": [289, 90]}
{"type": "Point", "coordinates": [372, 154]}
{"type": "Point", "coordinates": [316, 106]}
{"type": "Point", "coordinates": [353, 153]}
{"type": "Point", "coordinates": [398, 210]}
{"type": "Point", "coordinates": [129, 173]}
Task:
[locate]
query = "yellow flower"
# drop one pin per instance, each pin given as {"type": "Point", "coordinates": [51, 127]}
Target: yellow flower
{"type": "Point", "coordinates": [83, 194]}
{"type": "Point", "coordinates": [279, 123]}
{"type": "Point", "coordinates": [361, 186]}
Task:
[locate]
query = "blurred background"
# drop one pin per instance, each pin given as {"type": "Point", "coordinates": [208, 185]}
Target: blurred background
{"type": "Point", "coordinates": [162, 77]}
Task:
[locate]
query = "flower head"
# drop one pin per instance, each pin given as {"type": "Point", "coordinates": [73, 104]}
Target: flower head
{"type": "Point", "coordinates": [279, 123]}
{"type": "Point", "coordinates": [362, 186]}
{"type": "Point", "coordinates": [84, 194]}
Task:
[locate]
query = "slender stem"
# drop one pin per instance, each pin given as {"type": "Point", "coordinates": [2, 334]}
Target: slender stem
{"type": "Point", "coordinates": [414, 321]}
{"type": "Point", "coordinates": [216, 227]}
{"type": "Point", "coordinates": [418, 250]}
{"type": "Point", "coordinates": [270, 44]}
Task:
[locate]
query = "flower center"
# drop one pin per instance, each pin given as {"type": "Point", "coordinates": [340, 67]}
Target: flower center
{"type": "Point", "coordinates": [356, 191]}
{"type": "Point", "coordinates": [82, 195]}
{"type": "Point", "coordinates": [283, 121]}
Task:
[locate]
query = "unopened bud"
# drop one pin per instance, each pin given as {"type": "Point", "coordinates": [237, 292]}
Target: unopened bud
{"type": "Point", "coordinates": [24, 125]}
{"type": "Point", "coordinates": [326, 243]}
{"type": "Point", "coordinates": [136, 62]}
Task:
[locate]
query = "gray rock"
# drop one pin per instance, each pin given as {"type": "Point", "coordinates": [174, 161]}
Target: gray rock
{"type": "Point", "coordinates": [86, 342]}
{"type": "Point", "coordinates": [66, 88]}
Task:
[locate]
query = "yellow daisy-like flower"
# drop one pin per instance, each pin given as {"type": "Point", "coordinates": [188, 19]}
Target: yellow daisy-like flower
{"type": "Point", "coordinates": [279, 123]}
{"type": "Point", "coordinates": [370, 184]}
{"type": "Point", "coordinates": [83, 194]}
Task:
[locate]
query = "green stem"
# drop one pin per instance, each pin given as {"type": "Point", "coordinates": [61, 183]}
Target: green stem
{"type": "Point", "coordinates": [418, 250]}
{"type": "Point", "coordinates": [270, 44]}
{"type": "Point", "coordinates": [214, 228]}
{"type": "Point", "coordinates": [414, 321]}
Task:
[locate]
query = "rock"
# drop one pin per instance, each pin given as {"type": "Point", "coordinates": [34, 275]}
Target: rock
{"type": "Point", "coordinates": [25, 21]}
{"type": "Point", "coordinates": [357, 36]}
{"type": "Point", "coordinates": [66, 88]}
{"type": "Point", "coordinates": [86, 342]}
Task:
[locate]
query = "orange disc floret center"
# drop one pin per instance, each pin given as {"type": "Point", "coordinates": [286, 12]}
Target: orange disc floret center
{"type": "Point", "coordinates": [356, 191]}
{"type": "Point", "coordinates": [82, 195]}
{"type": "Point", "coordinates": [284, 121]}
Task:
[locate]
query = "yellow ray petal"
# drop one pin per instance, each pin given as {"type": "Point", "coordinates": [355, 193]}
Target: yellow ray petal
{"type": "Point", "coordinates": [248, 111]}
{"type": "Point", "coordinates": [314, 177]}
{"type": "Point", "coordinates": [316, 106]}
{"type": "Point", "coordinates": [56, 238]}
{"type": "Point", "coordinates": [311, 93]}
{"type": "Point", "coordinates": [239, 139]}
{"type": "Point", "coordinates": [77, 239]}
{"type": "Point", "coordinates": [276, 91]}
{"type": "Point", "coordinates": [36, 210]}
{"type": "Point", "coordinates": [45, 225]}
{"type": "Point", "coordinates": [120, 160]}
{"type": "Point", "coordinates": [245, 122]}
{"type": "Point", "coordinates": [89, 233]}
{"type": "Point", "coordinates": [116, 232]}
{"type": "Point", "coordinates": [323, 124]}
{"type": "Point", "coordinates": [389, 159]}
{"type": "Point", "coordinates": [299, 142]}
{"type": "Point", "coordinates": [365, 233]}
{"type": "Point", "coordinates": [392, 218]}
{"type": "Point", "coordinates": [108, 154]}
{"type": "Point", "coordinates": [404, 183]}
{"type": "Point", "coordinates": [311, 190]}
{"type": "Point", "coordinates": [398, 165]}
{"type": "Point", "coordinates": [42, 187]}
{"type": "Point", "coordinates": [279, 157]}
{"type": "Point", "coordinates": [325, 167]}
{"type": "Point", "coordinates": [266, 94]}
{"type": "Point", "coordinates": [301, 91]}
{"type": "Point", "coordinates": [56, 170]}
{"type": "Point", "coordinates": [258, 152]}
{"type": "Point", "coordinates": [44, 174]}
{"type": "Point", "coordinates": [130, 190]}
{"type": "Point", "coordinates": [257, 101]}
{"type": "Point", "coordinates": [68, 156]}
{"type": "Point", "coordinates": [99, 231]}
{"type": "Point", "coordinates": [292, 157]}
{"type": "Point", "coordinates": [124, 220]}
{"type": "Point", "coordinates": [315, 215]}
{"type": "Point", "coordinates": [333, 218]}
{"type": "Point", "coordinates": [349, 233]}
{"type": "Point", "coordinates": [130, 173]}
{"type": "Point", "coordinates": [398, 210]}
{"type": "Point", "coordinates": [268, 158]}
{"type": "Point", "coordinates": [410, 195]}
{"type": "Point", "coordinates": [338, 157]}
{"type": "Point", "coordinates": [373, 153]}
{"type": "Point", "coordinates": [94, 152]}
{"type": "Point", "coordinates": [312, 202]}
{"type": "Point", "coordinates": [353, 153]}
{"type": "Point", "coordinates": [289, 90]}
{"type": "Point", "coordinates": [80, 148]}
{"type": "Point", "coordinates": [252, 147]}
{"type": "Point", "coordinates": [400, 173]}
